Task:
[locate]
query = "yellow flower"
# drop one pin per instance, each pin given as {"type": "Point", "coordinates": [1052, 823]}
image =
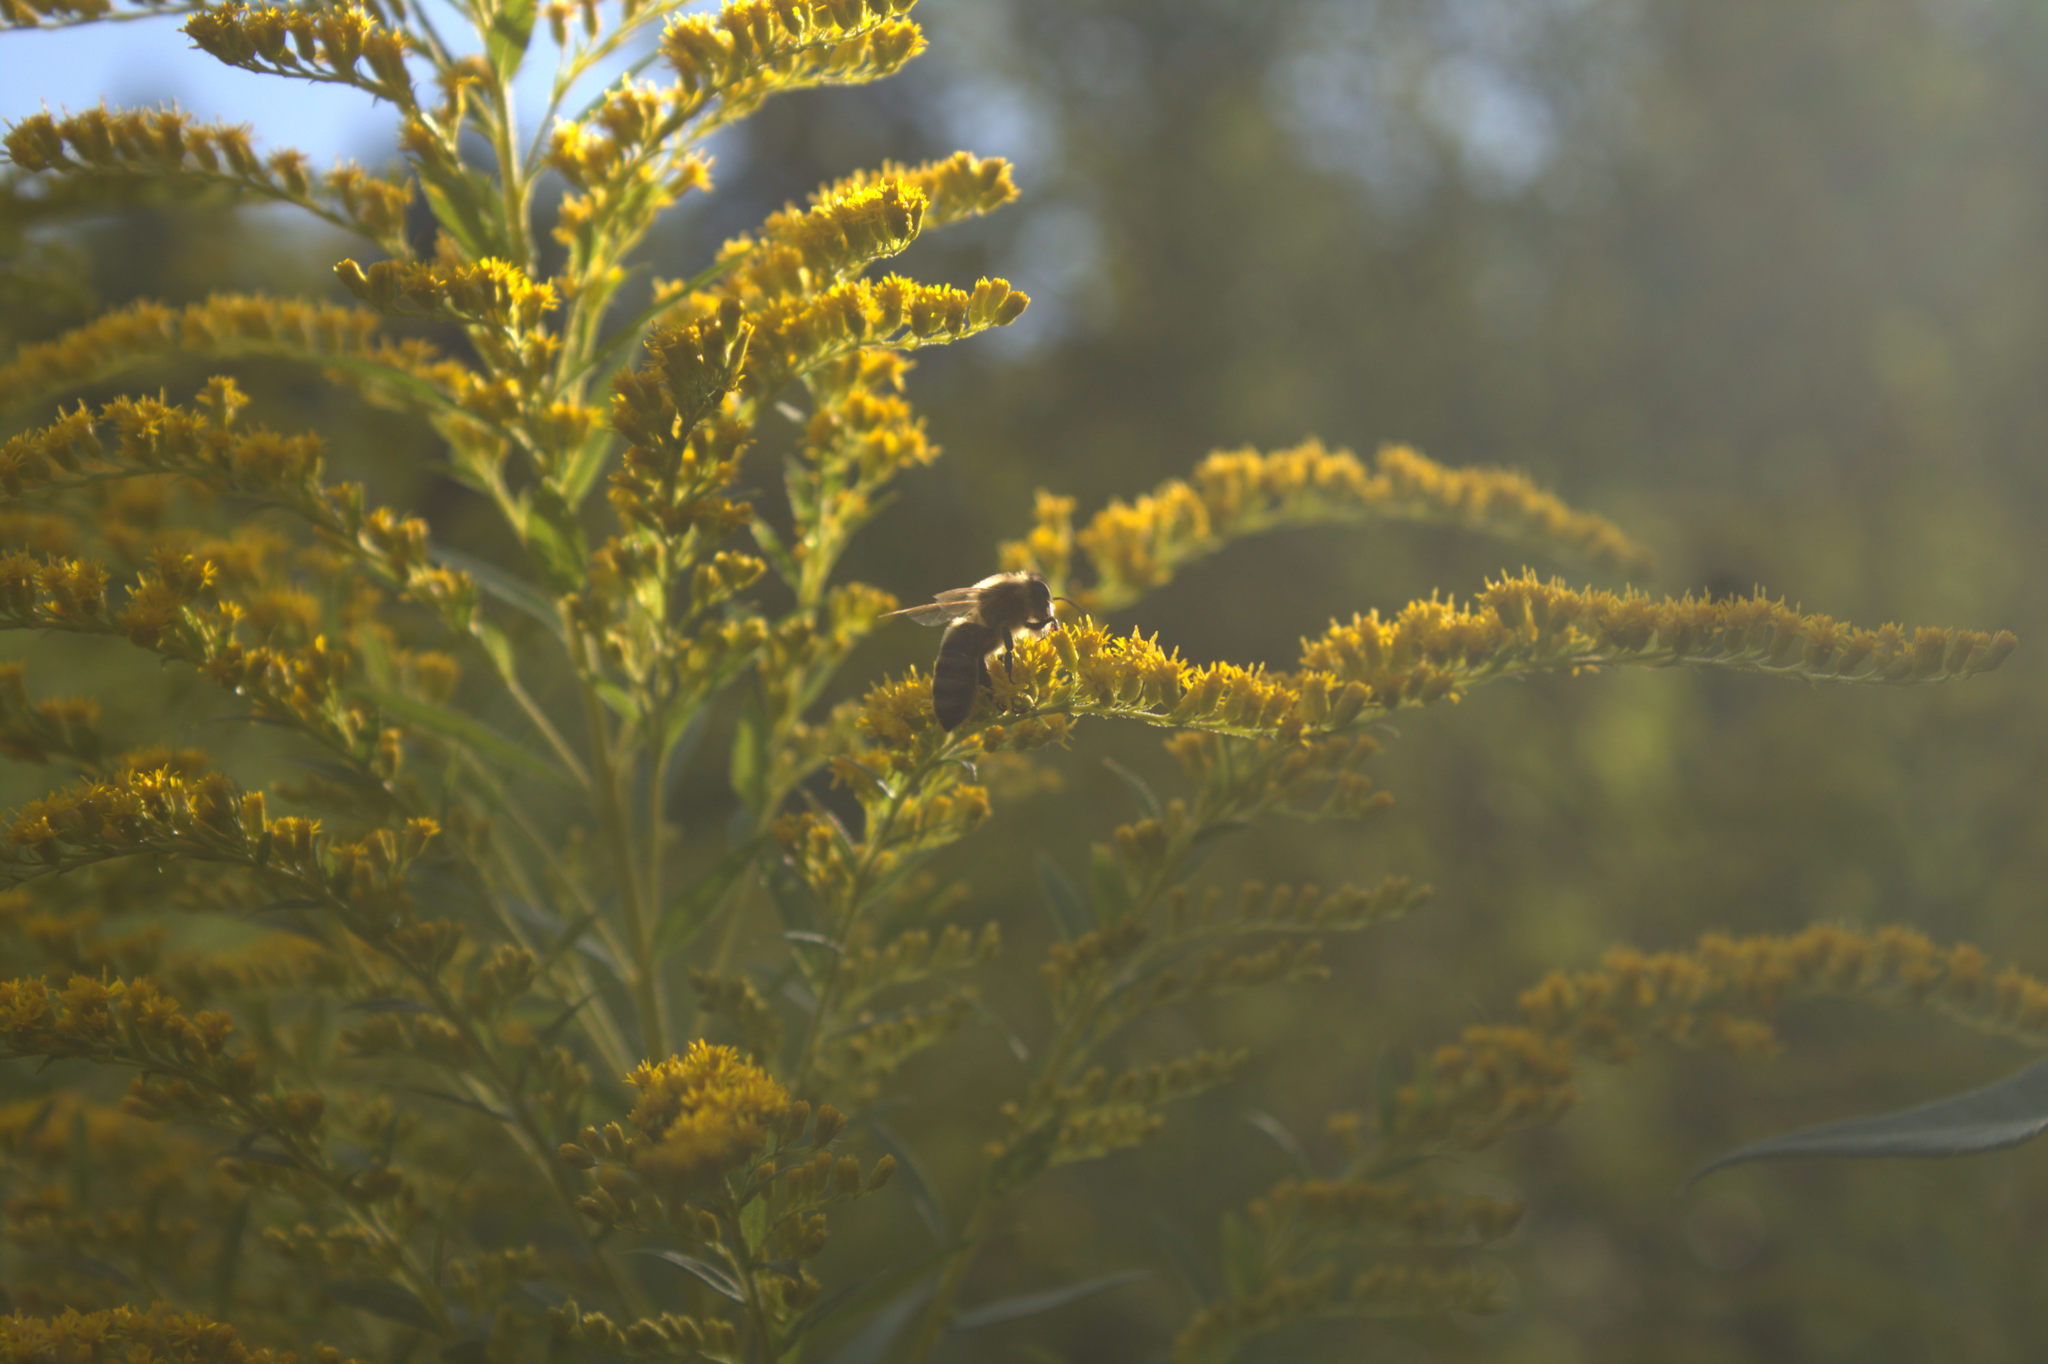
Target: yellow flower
{"type": "Point", "coordinates": [706, 1111]}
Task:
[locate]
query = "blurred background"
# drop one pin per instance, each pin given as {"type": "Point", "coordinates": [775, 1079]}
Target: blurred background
{"type": "Point", "coordinates": [1764, 283]}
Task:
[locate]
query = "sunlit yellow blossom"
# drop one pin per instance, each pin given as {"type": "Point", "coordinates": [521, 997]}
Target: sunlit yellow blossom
{"type": "Point", "coordinates": [1133, 547]}
{"type": "Point", "coordinates": [704, 1111]}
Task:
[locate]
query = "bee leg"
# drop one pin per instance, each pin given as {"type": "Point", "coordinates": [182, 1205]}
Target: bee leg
{"type": "Point", "coordinates": [1009, 655]}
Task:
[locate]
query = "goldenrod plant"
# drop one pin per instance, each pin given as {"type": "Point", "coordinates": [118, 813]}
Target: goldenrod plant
{"type": "Point", "coordinates": [457, 1043]}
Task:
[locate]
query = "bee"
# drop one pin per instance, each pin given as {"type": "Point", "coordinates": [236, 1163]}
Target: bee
{"type": "Point", "coordinates": [979, 620]}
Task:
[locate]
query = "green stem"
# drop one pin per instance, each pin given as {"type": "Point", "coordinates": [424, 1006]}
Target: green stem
{"type": "Point", "coordinates": [643, 979]}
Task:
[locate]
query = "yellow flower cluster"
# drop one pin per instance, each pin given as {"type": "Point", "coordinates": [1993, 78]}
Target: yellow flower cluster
{"type": "Point", "coordinates": [752, 49]}
{"type": "Point", "coordinates": [1522, 623]}
{"type": "Point", "coordinates": [206, 818]}
{"type": "Point", "coordinates": [705, 1113]}
{"type": "Point", "coordinates": [623, 176]}
{"type": "Point", "coordinates": [808, 251]}
{"type": "Point", "coordinates": [124, 1335]}
{"type": "Point", "coordinates": [165, 142]}
{"type": "Point", "coordinates": [1382, 1291]}
{"type": "Point", "coordinates": [224, 325]}
{"type": "Point", "coordinates": [677, 457]}
{"type": "Point", "coordinates": [1349, 1205]}
{"type": "Point", "coordinates": [342, 44]}
{"type": "Point", "coordinates": [866, 1048]}
{"type": "Point", "coordinates": [503, 310]}
{"type": "Point", "coordinates": [663, 1336]}
{"type": "Point", "coordinates": [1720, 994]}
{"type": "Point", "coordinates": [37, 13]}
{"type": "Point", "coordinates": [961, 186]}
{"type": "Point", "coordinates": [1429, 651]}
{"type": "Point", "coordinates": [1132, 547]}
{"type": "Point", "coordinates": [796, 337]}
{"type": "Point", "coordinates": [130, 1022]}
{"type": "Point", "coordinates": [492, 294]}
{"type": "Point", "coordinates": [865, 970]}
{"type": "Point", "coordinates": [151, 436]}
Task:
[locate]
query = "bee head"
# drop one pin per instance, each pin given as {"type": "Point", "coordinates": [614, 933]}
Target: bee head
{"type": "Point", "coordinates": [1041, 616]}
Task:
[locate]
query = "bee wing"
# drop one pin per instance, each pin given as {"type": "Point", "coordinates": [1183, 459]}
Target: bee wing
{"type": "Point", "coordinates": [956, 603]}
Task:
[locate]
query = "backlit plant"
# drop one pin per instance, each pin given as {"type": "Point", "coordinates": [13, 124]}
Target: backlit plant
{"type": "Point", "coordinates": [409, 1069]}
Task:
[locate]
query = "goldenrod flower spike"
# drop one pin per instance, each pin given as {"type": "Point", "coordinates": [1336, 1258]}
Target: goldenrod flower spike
{"type": "Point", "coordinates": [166, 144]}
{"type": "Point", "coordinates": [959, 187]}
{"type": "Point", "coordinates": [1133, 547]}
{"type": "Point", "coordinates": [128, 1334]}
{"type": "Point", "coordinates": [69, 13]}
{"type": "Point", "coordinates": [752, 49]}
{"type": "Point", "coordinates": [340, 44]}
{"type": "Point", "coordinates": [227, 325]}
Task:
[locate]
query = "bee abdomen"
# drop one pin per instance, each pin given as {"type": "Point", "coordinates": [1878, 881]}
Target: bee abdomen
{"type": "Point", "coordinates": [961, 665]}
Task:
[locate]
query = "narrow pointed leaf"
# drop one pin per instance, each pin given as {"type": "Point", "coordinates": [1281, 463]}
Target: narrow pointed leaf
{"type": "Point", "coordinates": [714, 1278]}
{"type": "Point", "coordinates": [510, 31]}
{"type": "Point", "coordinates": [1069, 915]}
{"type": "Point", "coordinates": [509, 588]}
{"type": "Point", "coordinates": [1146, 800]}
{"type": "Point", "coordinates": [1989, 1119]}
{"type": "Point", "coordinates": [1032, 1304]}
{"type": "Point", "coordinates": [382, 1299]}
{"type": "Point", "coordinates": [1282, 1138]}
{"type": "Point", "coordinates": [690, 911]}
{"type": "Point", "coordinates": [466, 730]}
{"type": "Point", "coordinates": [912, 1177]}
{"type": "Point", "coordinates": [873, 1342]}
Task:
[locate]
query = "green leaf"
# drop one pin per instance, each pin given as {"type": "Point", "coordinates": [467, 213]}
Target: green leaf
{"type": "Point", "coordinates": [750, 754]}
{"type": "Point", "coordinates": [388, 1004]}
{"type": "Point", "coordinates": [466, 730]}
{"type": "Point", "coordinates": [689, 913]}
{"type": "Point", "coordinates": [1032, 1304]}
{"type": "Point", "coordinates": [826, 1306]}
{"type": "Point", "coordinates": [873, 1343]}
{"type": "Point", "coordinates": [754, 1222]}
{"type": "Point", "coordinates": [606, 360]}
{"type": "Point", "coordinates": [911, 1175]}
{"type": "Point", "coordinates": [714, 1278]}
{"type": "Point", "coordinates": [509, 588]}
{"type": "Point", "coordinates": [510, 31]}
{"type": "Point", "coordinates": [1242, 1269]}
{"type": "Point", "coordinates": [681, 730]}
{"type": "Point", "coordinates": [617, 700]}
{"type": "Point", "coordinates": [793, 898]}
{"type": "Point", "coordinates": [383, 1299]}
{"type": "Point", "coordinates": [556, 537]}
{"type": "Point", "coordinates": [1069, 914]}
{"type": "Point", "coordinates": [775, 551]}
{"type": "Point", "coordinates": [567, 938]}
{"type": "Point", "coordinates": [1282, 1138]}
{"type": "Point", "coordinates": [497, 647]}
{"type": "Point", "coordinates": [227, 1268]}
{"type": "Point", "coordinates": [1207, 839]}
{"type": "Point", "coordinates": [455, 208]}
{"type": "Point", "coordinates": [81, 1263]}
{"type": "Point", "coordinates": [1112, 891]}
{"type": "Point", "coordinates": [1011, 1039]}
{"type": "Point", "coordinates": [1999, 1115]}
{"type": "Point", "coordinates": [1146, 800]}
{"type": "Point", "coordinates": [1186, 1263]}
{"type": "Point", "coordinates": [459, 1100]}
